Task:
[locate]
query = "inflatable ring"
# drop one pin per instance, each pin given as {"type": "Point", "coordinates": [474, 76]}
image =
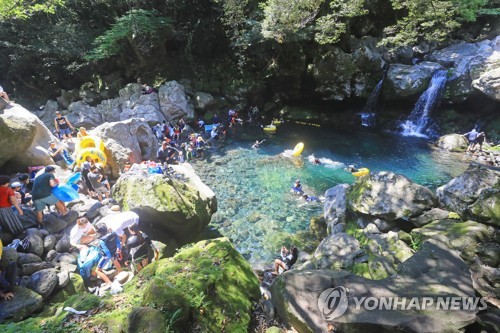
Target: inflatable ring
{"type": "Point", "coordinates": [97, 155]}
{"type": "Point", "coordinates": [277, 122]}
{"type": "Point", "coordinates": [361, 172]}
{"type": "Point", "coordinates": [75, 177]}
{"type": "Point", "coordinates": [89, 142]}
{"type": "Point", "coordinates": [298, 149]}
{"type": "Point", "coordinates": [65, 193]}
{"type": "Point", "coordinates": [270, 129]}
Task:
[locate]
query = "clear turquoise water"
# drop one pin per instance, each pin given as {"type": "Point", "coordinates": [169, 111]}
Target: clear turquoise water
{"type": "Point", "coordinates": [257, 209]}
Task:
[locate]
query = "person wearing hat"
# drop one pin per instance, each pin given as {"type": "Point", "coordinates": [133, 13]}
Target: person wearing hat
{"type": "Point", "coordinates": [57, 155]}
{"type": "Point", "coordinates": [42, 194]}
{"type": "Point", "coordinates": [63, 127]}
{"type": "Point", "coordinates": [8, 219]}
{"type": "Point", "coordinates": [16, 187]}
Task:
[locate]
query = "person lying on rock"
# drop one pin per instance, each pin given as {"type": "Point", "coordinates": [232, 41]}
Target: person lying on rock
{"type": "Point", "coordinates": [42, 194]}
{"type": "Point", "coordinates": [7, 279]}
{"type": "Point", "coordinates": [140, 248]}
{"type": "Point", "coordinates": [288, 258]}
{"type": "Point", "coordinates": [8, 219]}
{"type": "Point", "coordinates": [82, 233]}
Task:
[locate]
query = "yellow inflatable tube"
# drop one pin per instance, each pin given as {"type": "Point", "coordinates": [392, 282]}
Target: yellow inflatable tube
{"type": "Point", "coordinates": [89, 142]}
{"type": "Point", "coordinates": [361, 172]}
{"type": "Point", "coordinates": [298, 149]}
{"type": "Point", "coordinates": [270, 129]}
{"type": "Point", "coordinates": [96, 154]}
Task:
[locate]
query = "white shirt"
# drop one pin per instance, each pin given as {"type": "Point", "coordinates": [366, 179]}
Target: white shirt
{"type": "Point", "coordinates": [117, 222]}
{"type": "Point", "coordinates": [76, 233]}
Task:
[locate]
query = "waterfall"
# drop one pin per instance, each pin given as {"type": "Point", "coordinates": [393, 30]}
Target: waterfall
{"type": "Point", "coordinates": [419, 122]}
{"type": "Point", "coordinates": [368, 113]}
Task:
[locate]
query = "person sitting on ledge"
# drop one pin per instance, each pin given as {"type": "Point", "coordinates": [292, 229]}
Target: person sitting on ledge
{"type": "Point", "coordinates": [4, 95]}
{"type": "Point", "coordinates": [288, 258]}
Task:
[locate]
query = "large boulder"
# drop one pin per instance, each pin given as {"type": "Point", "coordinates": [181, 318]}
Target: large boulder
{"type": "Point", "coordinates": [23, 138]}
{"type": "Point", "coordinates": [334, 208]}
{"type": "Point", "coordinates": [146, 107]}
{"type": "Point", "coordinates": [128, 141]}
{"type": "Point", "coordinates": [204, 100]}
{"type": "Point", "coordinates": [463, 191]}
{"type": "Point", "coordinates": [207, 285]}
{"type": "Point", "coordinates": [405, 81]}
{"type": "Point", "coordinates": [337, 251]}
{"type": "Point", "coordinates": [489, 84]}
{"type": "Point", "coordinates": [21, 306]}
{"type": "Point", "coordinates": [435, 271]}
{"type": "Point", "coordinates": [178, 209]}
{"type": "Point", "coordinates": [452, 142]}
{"type": "Point", "coordinates": [43, 282]}
{"type": "Point", "coordinates": [82, 114]}
{"type": "Point", "coordinates": [389, 196]}
{"type": "Point", "coordinates": [174, 103]}
{"type": "Point", "coordinates": [487, 207]}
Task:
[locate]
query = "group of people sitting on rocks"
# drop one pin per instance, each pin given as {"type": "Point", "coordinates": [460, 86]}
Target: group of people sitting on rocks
{"type": "Point", "coordinates": [104, 248]}
{"type": "Point", "coordinates": [111, 243]}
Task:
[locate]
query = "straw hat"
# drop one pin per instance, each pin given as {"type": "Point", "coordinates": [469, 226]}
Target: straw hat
{"type": "Point", "coordinates": [115, 208]}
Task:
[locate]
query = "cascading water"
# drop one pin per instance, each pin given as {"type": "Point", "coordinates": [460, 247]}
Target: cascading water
{"type": "Point", "coordinates": [419, 122]}
{"type": "Point", "coordinates": [368, 114]}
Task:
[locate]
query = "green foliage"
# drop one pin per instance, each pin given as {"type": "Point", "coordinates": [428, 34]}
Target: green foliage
{"type": "Point", "coordinates": [416, 241]}
{"type": "Point", "coordinates": [127, 28]}
{"type": "Point", "coordinates": [23, 9]}
{"type": "Point", "coordinates": [283, 18]}
{"type": "Point", "coordinates": [429, 20]}
{"type": "Point", "coordinates": [330, 27]}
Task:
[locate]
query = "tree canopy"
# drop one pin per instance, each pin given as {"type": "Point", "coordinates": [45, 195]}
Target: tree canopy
{"type": "Point", "coordinates": [23, 9]}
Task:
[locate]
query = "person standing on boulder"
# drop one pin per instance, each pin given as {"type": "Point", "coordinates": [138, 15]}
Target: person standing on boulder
{"type": "Point", "coordinates": [8, 219]}
{"type": "Point", "coordinates": [42, 194]}
{"type": "Point", "coordinates": [471, 138]}
{"type": "Point", "coordinates": [63, 127]}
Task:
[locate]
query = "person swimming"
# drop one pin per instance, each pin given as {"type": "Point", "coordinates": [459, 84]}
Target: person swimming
{"type": "Point", "coordinates": [351, 169]}
{"type": "Point", "coordinates": [297, 187]}
{"type": "Point", "coordinates": [257, 143]}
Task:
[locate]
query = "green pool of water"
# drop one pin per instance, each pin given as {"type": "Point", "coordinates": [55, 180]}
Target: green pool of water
{"type": "Point", "coordinates": [253, 186]}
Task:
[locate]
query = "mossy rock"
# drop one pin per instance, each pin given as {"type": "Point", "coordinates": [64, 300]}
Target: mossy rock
{"type": "Point", "coordinates": [162, 295]}
{"type": "Point", "coordinates": [146, 320]}
{"type": "Point", "coordinates": [216, 280]}
{"type": "Point", "coordinates": [362, 269]}
{"type": "Point", "coordinates": [465, 237]}
{"type": "Point", "coordinates": [318, 227]}
{"type": "Point", "coordinates": [380, 268]}
{"type": "Point", "coordinates": [487, 207]}
{"type": "Point", "coordinates": [83, 302]}
{"type": "Point", "coordinates": [74, 286]}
